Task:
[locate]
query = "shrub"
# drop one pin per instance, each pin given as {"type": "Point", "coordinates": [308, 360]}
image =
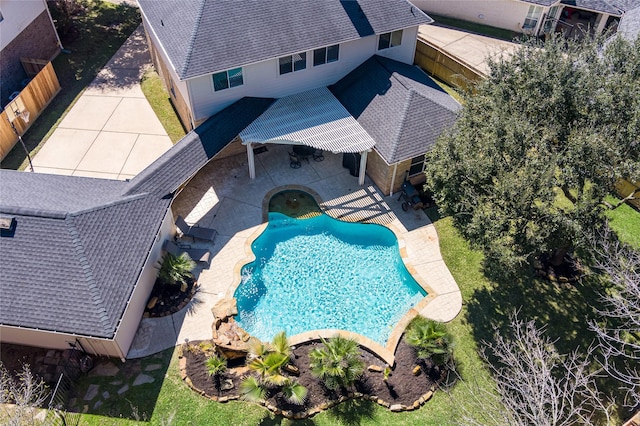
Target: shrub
{"type": "Point", "coordinates": [338, 364]}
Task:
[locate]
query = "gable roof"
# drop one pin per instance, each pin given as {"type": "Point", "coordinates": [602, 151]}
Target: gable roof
{"type": "Point", "coordinates": [205, 36]}
{"type": "Point", "coordinates": [400, 106]}
{"type": "Point", "coordinates": [629, 26]}
{"type": "Point", "coordinates": [76, 253]}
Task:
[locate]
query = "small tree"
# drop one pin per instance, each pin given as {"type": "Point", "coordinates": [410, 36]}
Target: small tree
{"type": "Point", "coordinates": [175, 270]}
{"type": "Point", "coordinates": [268, 360]}
{"type": "Point", "coordinates": [535, 385]}
{"type": "Point", "coordinates": [430, 339]}
{"type": "Point", "coordinates": [26, 391]}
{"type": "Point", "coordinates": [338, 364]}
{"type": "Point", "coordinates": [216, 367]}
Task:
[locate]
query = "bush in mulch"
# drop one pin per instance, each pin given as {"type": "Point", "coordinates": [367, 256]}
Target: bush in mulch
{"type": "Point", "coordinates": [401, 387]}
{"type": "Point", "coordinates": [169, 299]}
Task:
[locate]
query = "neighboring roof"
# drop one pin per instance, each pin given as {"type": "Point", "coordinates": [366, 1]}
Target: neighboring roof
{"type": "Point", "coordinates": [76, 253]}
{"type": "Point", "coordinates": [546, 3]}
{"type": "Point", "coordinates": [205, 36]}
{"type": "Point", "coordinates": [603, 6]}
{"type": "Point", "coordinates": [185, 158]}
{"type": "Point", "coordinates": [401, 107]}
{"type": "Point", "coordinates": [314, 118]}
{"type": "Point", "coordinates": [626, 5]}
{"type": "Point", "coordinates": [629, 26]}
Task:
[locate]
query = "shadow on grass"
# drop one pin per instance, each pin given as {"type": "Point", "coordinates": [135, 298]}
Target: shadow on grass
{"type": "Point", "coordinates": [131, 392]}
{"type": "Point", "coordinates": [353, 411]}
{"type": "Point", "coordinates": [101, 30]}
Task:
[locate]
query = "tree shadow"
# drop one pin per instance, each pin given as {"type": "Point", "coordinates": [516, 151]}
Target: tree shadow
{"type": "Point", "coordinates": [352, 411]}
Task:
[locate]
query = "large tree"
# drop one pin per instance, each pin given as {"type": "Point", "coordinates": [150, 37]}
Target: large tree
{"type": "Point", "coordinates": [538, 145]}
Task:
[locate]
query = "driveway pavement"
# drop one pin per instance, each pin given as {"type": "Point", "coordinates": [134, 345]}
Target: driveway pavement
{"type": "Point", "coordinates": [111, 132]}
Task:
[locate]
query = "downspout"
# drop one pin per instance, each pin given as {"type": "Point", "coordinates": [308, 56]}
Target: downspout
{"type": "Point", "coordinates": [53, 25]}
{"type": "Point", "coordinates": [393, 178]}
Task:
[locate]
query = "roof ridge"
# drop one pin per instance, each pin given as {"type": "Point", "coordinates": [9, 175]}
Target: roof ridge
{"type": "Point", "coordinates": [124, 199]}
{"type": "Point", "coordinates": [28, 211]}
{"type": "Point", "coordinates": [192, 39]}
{"type": "Point", "coordinates": [98, 302]}
{"type": "Point", "coordinates": [405, 112]}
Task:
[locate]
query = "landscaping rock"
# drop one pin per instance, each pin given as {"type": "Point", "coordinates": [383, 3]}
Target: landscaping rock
{"type": "Point", "coordinates": [143, 379]}
{"type": "Point", "coordinates": [92, 392]}
{"type": "Point", "coordinates": [97, 405]}
{"type": "Point", "coordinates": [105, 369]}
{"type": "Point", "coordinates": [152, 302]}
{"type": "Point", "coordinates": [396, 407]}
{"type": "Point", "coordinates": [375, 368]}
{"type": "Point", "coordinates": [105, 395]}
{"type": "Point", "coordinates": [225, 308]}
{"type": "Point", "coordinates": [416, 370]}
{"type": "Point", "coordinates": [153, 367]}
{"type": "Point", "coordinates": [227, 385]}
{"type": "Point", "coordinates": [123, 389]}
{"type": "Point", "coordinates": [292, 369]}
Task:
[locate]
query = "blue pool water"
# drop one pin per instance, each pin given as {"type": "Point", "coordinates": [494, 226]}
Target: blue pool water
{"type": "Point", "coordinates": [321, 273]}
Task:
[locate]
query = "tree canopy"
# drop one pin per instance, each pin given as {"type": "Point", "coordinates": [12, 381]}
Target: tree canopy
{"type": "Point", "coordinates": [539, 144]}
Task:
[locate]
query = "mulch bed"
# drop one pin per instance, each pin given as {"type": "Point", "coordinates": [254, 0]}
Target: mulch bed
{"type": "Point", "coordinates": [169, 299]}
{"type": "Point", "coordinates": [402, 387]}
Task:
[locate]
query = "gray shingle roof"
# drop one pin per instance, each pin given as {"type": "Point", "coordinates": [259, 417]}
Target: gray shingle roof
{"type": "Point", "coordinates": [205, 36]}
{"type": "Point", "coordinates": [401, 107]}
{"type": "Point", "coordinates": [595, 5]}
{"type": "Point", "coordinates": [629, 26]}
{"type": "Point", "coordinates": [541, 2]}
{"type": "Point", "coordinates": [76, 253]}
{"type": "Point", "coordinates": [626, 5]}
{"type": "Point", "coordinates": [185, 158]}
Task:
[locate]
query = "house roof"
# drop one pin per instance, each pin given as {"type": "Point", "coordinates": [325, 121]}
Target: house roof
{"type": "Point", "coordinates": [205, 36]}
{"type": "Point", "coordinates": [603, 6]}
{"type": "Point", "coordinates": [314, 118]}
{"type": "Point", "coordinates": [185, 158]}
{"type": "Point", "coordinates": [77, 250]}
{"type": "Point", "coordinates": [400, 106]}
{"type": "Point", "coordinates": [629, 26]}
{"type": "Point", "coordinates": [546, 3]}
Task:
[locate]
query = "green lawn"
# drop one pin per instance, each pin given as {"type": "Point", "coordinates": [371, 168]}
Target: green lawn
{"type": "Point", "coordinates": [101, 30]}
{"type": "Point", "coordinates": [158, 98]}
{"type": "Point", "coordinates": [625, 221]}
{"type": "Point", "coordinates": [476, 28]}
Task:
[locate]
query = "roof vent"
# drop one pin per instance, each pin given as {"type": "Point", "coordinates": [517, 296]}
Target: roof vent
{"type": "Point", "coordinates": [7, 226]}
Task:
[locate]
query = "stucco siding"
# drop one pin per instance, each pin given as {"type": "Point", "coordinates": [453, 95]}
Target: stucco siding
{"type": "Point", "coordinates": [263, 79]}
{"type": "Point", "coordinates": [507, 14]}
{"type": "Point", "coordinates": [133, 314]}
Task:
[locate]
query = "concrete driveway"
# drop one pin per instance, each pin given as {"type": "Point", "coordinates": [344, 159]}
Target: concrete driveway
{"type": "Point", "coordinates": [111, 132]}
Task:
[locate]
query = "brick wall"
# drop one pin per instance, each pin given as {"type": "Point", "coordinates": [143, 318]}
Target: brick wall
{"type": "Point", "coordinates": [37, 41]}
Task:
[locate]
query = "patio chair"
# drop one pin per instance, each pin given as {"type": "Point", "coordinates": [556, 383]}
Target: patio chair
{"type": "Point", "coordinates": [318, 155]}
{"type": "Point", "coordinates": [199, 255]}
{"type": "Point", "coordinates": [294, 161]}
{"type": "Point", "coordinates": [195, 231]}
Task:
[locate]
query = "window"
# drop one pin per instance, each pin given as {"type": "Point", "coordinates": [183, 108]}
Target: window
{"type": "Point", "coordinates": [293, 63]}
{"type": "Point", "coordinates": [388, 40]}
{"type": "Point", "coordinates": [531, 21]}
{"type": "Point", "coordinates": [326, 55]}
{"type": "Point", "coordinates": [225, 79]}
{"type": "Point", "coordinates": [417, 165]}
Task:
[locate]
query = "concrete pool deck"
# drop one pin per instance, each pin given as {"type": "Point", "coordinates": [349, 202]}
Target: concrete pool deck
{"type": "Point", "coordinates": [222, 196]}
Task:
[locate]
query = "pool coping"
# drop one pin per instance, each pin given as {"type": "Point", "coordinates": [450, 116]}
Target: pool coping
{"type": "Point", "coordinates": [386, 352]}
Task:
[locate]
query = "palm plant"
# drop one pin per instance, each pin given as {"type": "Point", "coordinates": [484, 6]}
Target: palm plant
{"type": "Point", "coordinates": [338, 364]}
{"type": "Point", "coordinates": [267, 360]}
{"type": "Point", "coordinates": [430, 339]}
{"type": "Point", "coordinates": [176, 269]}
{"type": "Point", "coordinates": [216, 366]}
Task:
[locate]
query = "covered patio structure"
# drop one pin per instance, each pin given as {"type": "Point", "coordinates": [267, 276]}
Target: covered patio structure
{"type": "Point", "coordinates": [314, 118]}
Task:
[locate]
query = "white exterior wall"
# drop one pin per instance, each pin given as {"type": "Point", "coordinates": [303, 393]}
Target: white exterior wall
{"type": "Point", "coordinates": [133, 314]}
{"type": "Point", "coordinates": [17, 14]}
{"type": "Point", "coordinates": [507, 14]}
{"type": "Point", "coordinates": [178, 85]}
{"type": "Point", "coordinates": [263, 79]}
{"type": "Point", "coordinates": [51, 340]}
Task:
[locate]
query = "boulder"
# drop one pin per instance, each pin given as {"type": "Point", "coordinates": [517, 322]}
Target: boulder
{"type": "Point", "coordinates": [375, 368]}
{"type": "Point", "coordinates": [292, 369]}
{"type": "Point", "coordinates": [416, 370]}
{"type": "Point", "coordinates": [396, 407]}
{"type": "Point", "coordinates": [152, 303]}
{"type": "Point", "coordinates": [227, 385]}
{"type": "Point", "coordinates": [225, 308]}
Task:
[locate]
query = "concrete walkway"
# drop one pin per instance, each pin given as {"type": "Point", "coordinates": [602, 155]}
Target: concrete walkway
{"type": "Point", "coordinates": [111, 132]}
{"type": "Point", "coordinates": [471, 49]}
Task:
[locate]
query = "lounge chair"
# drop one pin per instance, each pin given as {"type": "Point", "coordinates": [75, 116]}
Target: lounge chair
{"type": "Point", "coordinates": [199, 255]}
{"type": "Point", "coordinates": [195, 231]}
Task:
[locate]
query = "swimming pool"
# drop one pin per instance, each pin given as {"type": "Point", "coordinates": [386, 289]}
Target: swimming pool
{"type": "Point", "coordinates": [320, 273]}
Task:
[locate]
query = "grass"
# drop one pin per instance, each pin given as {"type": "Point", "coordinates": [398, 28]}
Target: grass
{"type": "Point", "coordinates": [625, 221]}
{"type": "Point", "coordinates": [100, 30]}
{"type": "Point", "coordinates": [158, 98]}
{"type": "Point", "coordinates": [477, 28]}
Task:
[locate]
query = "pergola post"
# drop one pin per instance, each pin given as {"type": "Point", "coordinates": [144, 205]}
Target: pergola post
{"type": "Point", "coordinates": [251, 161]}
{"type": "Point", "coordinates": [363, 167]}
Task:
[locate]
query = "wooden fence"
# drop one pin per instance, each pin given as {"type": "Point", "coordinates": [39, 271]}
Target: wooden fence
{"type": "Point", "coordinates": [33, 98]}
{"type": "Point", "coordinates": [624, 188]}
{"type": "Point", "coordinates": [443, 66]}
